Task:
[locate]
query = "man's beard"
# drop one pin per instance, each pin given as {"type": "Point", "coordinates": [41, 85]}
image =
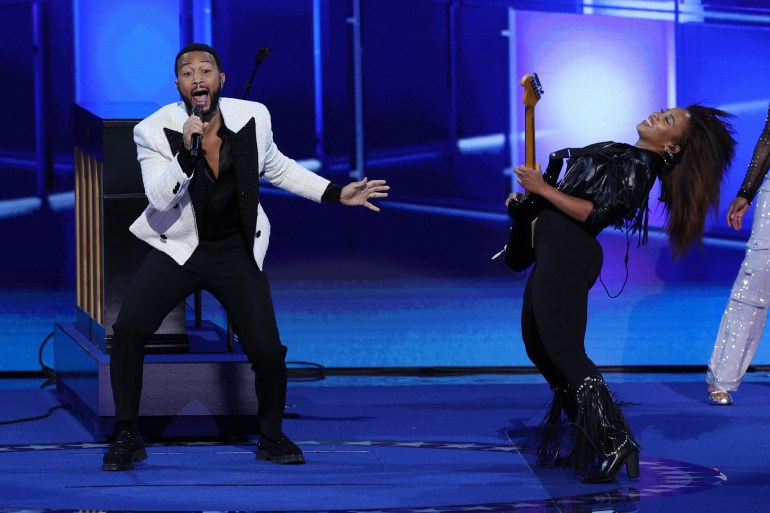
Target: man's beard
{"type": "Point", "coordinates": [213, 102]}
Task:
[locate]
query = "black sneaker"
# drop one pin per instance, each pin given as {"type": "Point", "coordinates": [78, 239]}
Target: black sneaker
{"type": "Point", "coordinates": [127, 448]}
{"type": "Point", "coordinates": [282, 451]}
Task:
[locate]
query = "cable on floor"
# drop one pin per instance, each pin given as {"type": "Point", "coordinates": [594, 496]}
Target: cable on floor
{"type": "Point", "coordinates": [38, 417]}
{"type": "Point", "coordinates": [47, 371]}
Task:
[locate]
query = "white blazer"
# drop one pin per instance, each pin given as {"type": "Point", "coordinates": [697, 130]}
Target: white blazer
{"type": "Point", "coordinates": [168, 222]}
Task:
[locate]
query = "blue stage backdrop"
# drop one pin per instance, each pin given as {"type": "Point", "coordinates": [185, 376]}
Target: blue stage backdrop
{"type": "Point", "coordinates": [124, 51]}
{"type": "Point", "coordinates": [424, 93]}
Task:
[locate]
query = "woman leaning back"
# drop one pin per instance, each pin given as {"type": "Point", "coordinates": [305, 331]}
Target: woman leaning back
{"type": "Point", "coordinates": [689, 150]}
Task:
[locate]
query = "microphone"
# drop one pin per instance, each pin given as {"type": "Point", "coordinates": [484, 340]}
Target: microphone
{"type": "Point", "coordinates": [263, 52]}
{"type": "Point", "coordinates": [195, 142]}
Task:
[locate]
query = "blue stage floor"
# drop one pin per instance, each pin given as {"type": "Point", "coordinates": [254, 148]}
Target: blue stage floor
{"type": "Point", "coordinates": [394, 444]}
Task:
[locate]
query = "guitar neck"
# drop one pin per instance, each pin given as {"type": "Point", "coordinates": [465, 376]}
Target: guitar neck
{"type": "Point", "coordinates": [529, 136]}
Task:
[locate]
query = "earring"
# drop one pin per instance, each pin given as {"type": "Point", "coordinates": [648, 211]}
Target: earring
{"type": "Point", "coordinates": [668, 156]}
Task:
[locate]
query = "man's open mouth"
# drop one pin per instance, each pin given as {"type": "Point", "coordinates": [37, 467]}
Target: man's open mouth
{"type": "Point", "coordinates": [200, 97]}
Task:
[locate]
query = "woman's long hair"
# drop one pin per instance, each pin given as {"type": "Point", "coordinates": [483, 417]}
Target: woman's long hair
{"type": "Point", "coordinates": [691, 187]}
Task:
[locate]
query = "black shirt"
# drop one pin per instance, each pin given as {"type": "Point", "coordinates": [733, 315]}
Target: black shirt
{"type": "Point", "coordinates": [221, 216]}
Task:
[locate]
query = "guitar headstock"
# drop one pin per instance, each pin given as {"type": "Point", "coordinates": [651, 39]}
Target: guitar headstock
{"type": "Point", "coordinates": [532, 89]}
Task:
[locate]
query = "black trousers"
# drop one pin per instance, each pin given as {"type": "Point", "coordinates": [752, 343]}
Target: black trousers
{"type": "Point", "coordinates": [555, 305]}
{"type": "Point", "coordinates": [227, 270]}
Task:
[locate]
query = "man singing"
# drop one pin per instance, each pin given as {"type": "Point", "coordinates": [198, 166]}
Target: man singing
{"type": "Point", "coordinates": [208, 230]}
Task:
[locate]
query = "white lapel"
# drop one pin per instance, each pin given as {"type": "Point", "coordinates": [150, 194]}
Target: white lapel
{"type": "Point", "coordinates": [236, 113]}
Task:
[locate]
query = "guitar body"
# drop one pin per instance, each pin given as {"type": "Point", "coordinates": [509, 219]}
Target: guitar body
{"type": "Point", "coordinates": [523, 211]}
{"type": "Point", "coordinates": [519, 252]}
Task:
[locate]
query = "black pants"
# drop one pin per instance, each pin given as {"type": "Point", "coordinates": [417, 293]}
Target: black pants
{"type": "Point", "coordinates": [226, 269]}
{"type": "Point", "coordinates": [555, 306]}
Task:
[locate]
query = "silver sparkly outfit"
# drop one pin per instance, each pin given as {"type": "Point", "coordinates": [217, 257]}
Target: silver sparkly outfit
{"type": "Point", "coordinates": [744, 318]}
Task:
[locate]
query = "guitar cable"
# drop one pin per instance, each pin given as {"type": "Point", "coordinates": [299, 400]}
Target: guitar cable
{"type": "Point", "coordinates": [625, 261]}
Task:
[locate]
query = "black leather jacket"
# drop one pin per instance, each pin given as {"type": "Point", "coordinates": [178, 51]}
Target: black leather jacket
{"type": "Point", "coordinates": [617, 179]}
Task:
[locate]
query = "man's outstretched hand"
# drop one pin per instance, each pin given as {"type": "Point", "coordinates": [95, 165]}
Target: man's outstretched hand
{"type": "Point", "coordinates": [359, 193]}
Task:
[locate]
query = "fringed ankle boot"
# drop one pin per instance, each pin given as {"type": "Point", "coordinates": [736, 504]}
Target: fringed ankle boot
{"type": "Point", "coordinates": [602, 432]}
{"type": "Point", "coordinates": [553, 430]}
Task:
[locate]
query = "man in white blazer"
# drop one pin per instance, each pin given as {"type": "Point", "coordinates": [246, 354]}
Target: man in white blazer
{"type": "Point", "coordinates": [208, 231]}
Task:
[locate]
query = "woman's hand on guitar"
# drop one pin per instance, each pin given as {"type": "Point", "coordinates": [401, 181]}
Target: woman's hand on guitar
{"type": "Point", "coordinates": [531, 179]}
{"type": "Point", "coordinates": [514, 196]}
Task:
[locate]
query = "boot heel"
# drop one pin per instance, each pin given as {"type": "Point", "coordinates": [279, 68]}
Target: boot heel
{"type": "Point", "coordinates": [632, 464]}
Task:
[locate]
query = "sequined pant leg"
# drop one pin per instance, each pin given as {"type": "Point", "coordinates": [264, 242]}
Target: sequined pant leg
{"type": "Point", "coordinates": [744, 318]}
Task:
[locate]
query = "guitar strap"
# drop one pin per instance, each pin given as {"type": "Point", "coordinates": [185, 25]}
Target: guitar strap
{"type": "Point", "coordinates": [556, 159]}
